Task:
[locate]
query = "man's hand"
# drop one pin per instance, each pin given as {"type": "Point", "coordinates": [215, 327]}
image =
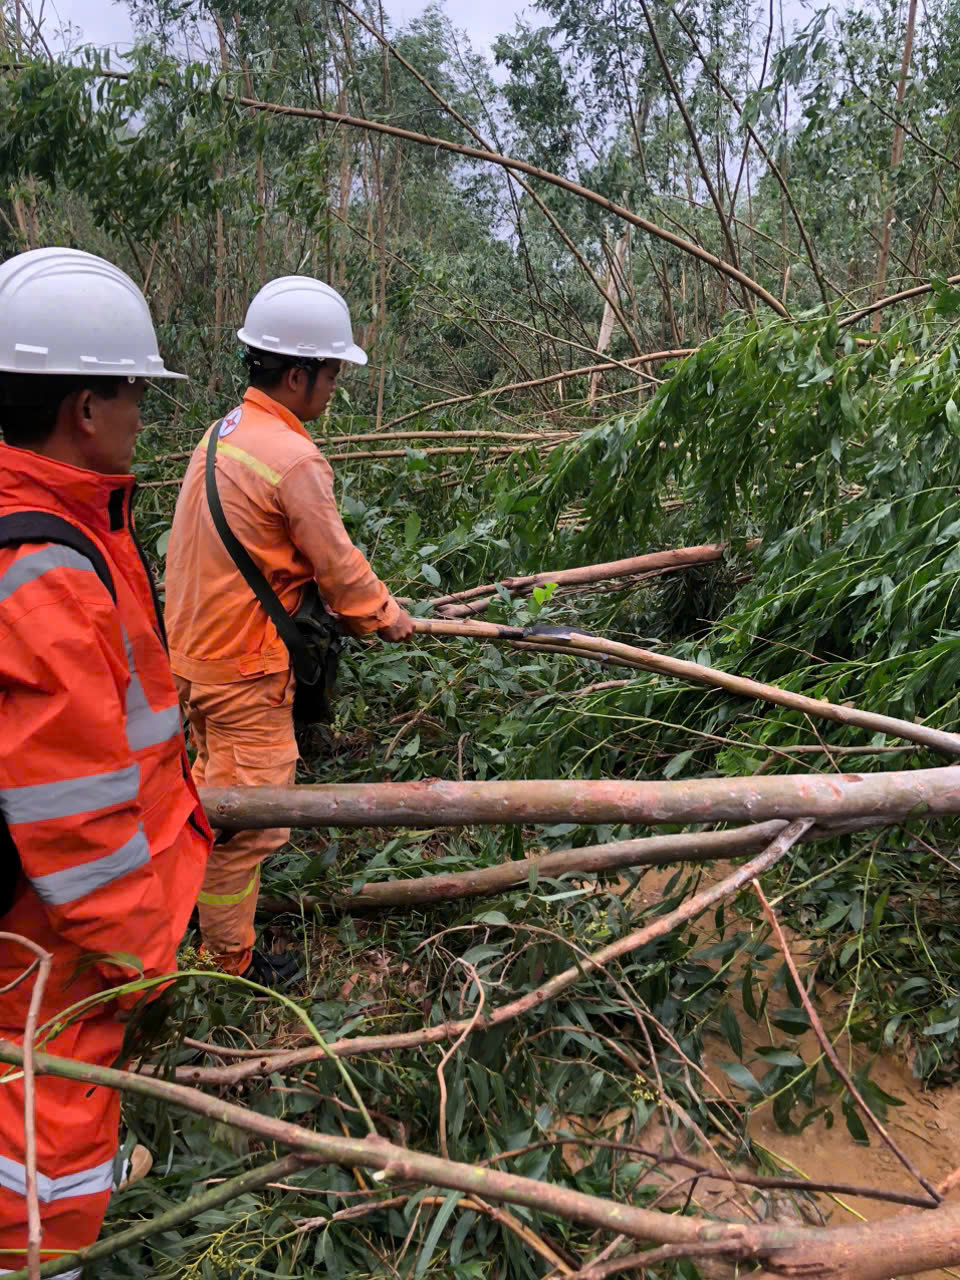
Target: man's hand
{"type": "Point", "coordinates": [402, 629]}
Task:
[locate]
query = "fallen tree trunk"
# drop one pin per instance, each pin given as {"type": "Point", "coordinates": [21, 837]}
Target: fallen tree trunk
{"type": "Point", "coordinates": [678, 558]}
{"type": "Point", "coordinates": [894, 796]}
{"type": "Point", "coordinates": [578, 644]}
{"type": "Point", "coordinates": [649, 851]}
{"type": "Point", "coordinates": [899, 1245]}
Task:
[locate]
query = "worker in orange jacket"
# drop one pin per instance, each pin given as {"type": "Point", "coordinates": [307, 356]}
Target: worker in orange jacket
{"type": "Point", "coordinates": [103, 842]}
{"type": "Point", "coordinates": [232, 669]}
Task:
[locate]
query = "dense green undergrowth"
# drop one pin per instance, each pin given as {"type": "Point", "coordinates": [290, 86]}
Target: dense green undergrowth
{"type": "Point", "coordinates": [841, 458]}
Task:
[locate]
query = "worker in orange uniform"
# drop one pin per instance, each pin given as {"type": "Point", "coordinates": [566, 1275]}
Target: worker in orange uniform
{"type": "Point", "coordinates": [103, 843]}
{"type": "Point", "coordinates": [232, 670]}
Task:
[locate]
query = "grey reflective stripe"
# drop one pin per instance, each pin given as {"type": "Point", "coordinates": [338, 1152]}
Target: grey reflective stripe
{"type": "Point", "coordinates": [86, 1182]}
{"type": "Point", "coordinates": [49, 800]}
{"type": "Point", "coordinates": [77, 881]}
{"type": "Point", "coordinates": [146, 727]}
{"type": "Point", "coordinates": [30, 567]}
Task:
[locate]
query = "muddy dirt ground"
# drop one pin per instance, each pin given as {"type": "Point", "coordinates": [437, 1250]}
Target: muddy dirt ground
{"type": "Point", "coordinates": [926, 1128]}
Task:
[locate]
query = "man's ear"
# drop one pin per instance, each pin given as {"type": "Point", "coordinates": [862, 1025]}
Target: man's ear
{"type": "Point", "coordinates": [84, 413]}
{"type": "Point", "coordinates": [76, 411]}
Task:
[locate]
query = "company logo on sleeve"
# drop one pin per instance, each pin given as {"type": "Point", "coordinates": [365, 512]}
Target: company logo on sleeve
{"type": "Point", "coordinates": [230, 422]}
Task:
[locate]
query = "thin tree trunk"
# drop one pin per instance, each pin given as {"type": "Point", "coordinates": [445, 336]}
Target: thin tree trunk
{"type": "Point", "coordinates": [678, 558]}
{"type": "Point", "coordinates": [606, 323]}
{"type": "Point", "coordinates": [896, 155]}
{"type": "Point", "coordinates": [601, 859]}
{"type": "Point", "coordinates": [220, 251]}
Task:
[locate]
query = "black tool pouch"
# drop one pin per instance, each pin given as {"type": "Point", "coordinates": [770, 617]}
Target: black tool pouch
{"type": "Point", "coordinates": [323, 641]}
{"type": "Point", "coordinates": [313, 636]}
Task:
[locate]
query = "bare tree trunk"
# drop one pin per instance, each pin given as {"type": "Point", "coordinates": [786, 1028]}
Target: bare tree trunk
{"type": "Point", "coordinates": [261, 184]}
{"type": "Point", "coordinates": [601, 859]}
{"type": "Point", "coordinates": [893, 795]}
{"type": "Point", "coordinates": [896, 155]}
{"type": "Point", "coordinates": [678, 558]}
{"type": "Point", "coordinates": [606, 323]}
{"type": "Point", "coordinates": [220, 251]}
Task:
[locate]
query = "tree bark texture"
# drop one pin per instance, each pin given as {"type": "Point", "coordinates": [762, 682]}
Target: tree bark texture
{"type": "Point", "coordinates": [437, 803]}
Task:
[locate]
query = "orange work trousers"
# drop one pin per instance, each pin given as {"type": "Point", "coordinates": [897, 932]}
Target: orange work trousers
{"type": "Point", "coordinates": [78, 1129]}
{"type": "Point", "coordinates": [243, 735]}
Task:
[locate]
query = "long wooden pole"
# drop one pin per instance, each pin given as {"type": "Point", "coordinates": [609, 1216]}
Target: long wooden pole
{"type": "Point", "coordinates": [836, 797]}
{"type": "Point", "coordinates": [582, 645]}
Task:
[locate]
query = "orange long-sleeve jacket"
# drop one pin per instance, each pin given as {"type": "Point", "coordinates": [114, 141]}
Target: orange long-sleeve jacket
{"type": "Point", "coordinates": [276, 490]}
{"type": "Point", "coordinates": [95, 786]}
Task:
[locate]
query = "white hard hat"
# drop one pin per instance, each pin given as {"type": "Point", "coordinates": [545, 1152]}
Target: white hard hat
{"type": "Point", "coordinates": [302, 317]}
{"type": "Point", "coordinates": [63, 311]}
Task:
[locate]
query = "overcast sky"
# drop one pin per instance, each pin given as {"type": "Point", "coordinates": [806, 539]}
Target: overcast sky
{"type": "Point", "coordinates": [104, 22]}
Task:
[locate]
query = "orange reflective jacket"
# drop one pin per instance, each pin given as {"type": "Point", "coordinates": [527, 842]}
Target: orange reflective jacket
{"type": "Point", "coordinates": [94, 781]}
{"type": "Point", "coordinates": [277, 493]}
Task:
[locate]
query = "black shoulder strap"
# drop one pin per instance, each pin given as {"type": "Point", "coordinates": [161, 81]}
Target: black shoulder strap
{"type": "Point", "coordinates": [286, 627]}
{"type": "Point", "coordinates": [42, 526]}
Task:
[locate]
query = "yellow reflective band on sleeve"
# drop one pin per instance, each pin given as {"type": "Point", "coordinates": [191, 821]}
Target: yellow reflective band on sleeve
{"type": "Point", "coordinates": [229, 899]}
{"type": "Point", "coordinates": [248, 460]}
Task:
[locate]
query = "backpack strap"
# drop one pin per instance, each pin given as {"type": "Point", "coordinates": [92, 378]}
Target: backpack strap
{"type": "Point", "coordinates": [286, 627]}
{"type": "Point", "coordinates": [42, 526]}
{"type": "Point", "coordinates": [15, 530]}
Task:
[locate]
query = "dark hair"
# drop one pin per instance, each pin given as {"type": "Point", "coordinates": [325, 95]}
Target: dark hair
{"type": "Point", "coordinates": [30, 402]}
{"type": "Point", "coordinates": [266, 370]}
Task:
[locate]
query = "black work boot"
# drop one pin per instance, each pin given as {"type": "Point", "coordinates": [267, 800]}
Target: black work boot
{"type": "Point", "coordinates": [273, 969]}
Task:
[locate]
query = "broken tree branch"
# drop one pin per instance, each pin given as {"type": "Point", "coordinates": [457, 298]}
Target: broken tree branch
{"type": "Point", "coordinates": [600, 859]}
{"type": "Point", "coordinates": [522, 166]}
{"type": "Point", "coordinates": [559, 639]}
{"type": "Point", "coordinates": [401, 1163]}
{"type": "Point", "coordinates": [40, 965]}
{"type": "Point", "coordinates": [489, 157]}
{"type": "Point", "coordinates": [870, 1251]}
{"type": "Point", "coordinates": [674, 353]}
{"type": "Point", "coordinates": [903, 296]}
{"type": "Point", "coordinates": [827, 1047]}
{"type": "Point", "coordinates": [586, 964]}
{"type": "Point", "coordinates": [678, 558]}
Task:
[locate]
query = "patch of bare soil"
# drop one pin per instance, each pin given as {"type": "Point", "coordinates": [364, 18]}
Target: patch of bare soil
{"type": "Point", "coordinates": [926, 1128]}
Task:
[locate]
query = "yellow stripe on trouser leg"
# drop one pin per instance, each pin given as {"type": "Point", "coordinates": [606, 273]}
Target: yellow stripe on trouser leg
{"type": "Point", "coordinates": [244, 737]}
{"type": "Point", "coordinates": [227, 904]}
{"type": "Point", "coordinates": [229, 899]}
